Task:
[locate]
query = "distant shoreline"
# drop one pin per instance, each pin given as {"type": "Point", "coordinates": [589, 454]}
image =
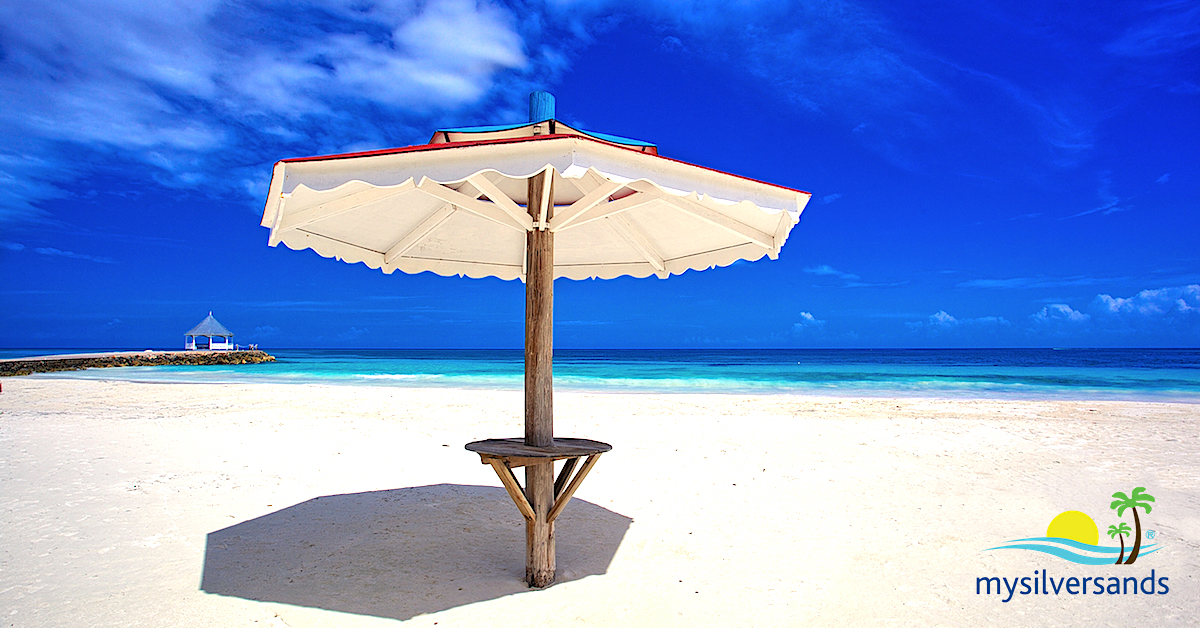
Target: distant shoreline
{"type": "Point", "coordinates": [14, 367]}
{"type": "Point", "coordinates": [1136, 375]}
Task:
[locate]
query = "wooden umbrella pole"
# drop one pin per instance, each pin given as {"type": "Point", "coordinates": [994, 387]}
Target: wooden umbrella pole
{"type": "Point", "coordinates": [539, 380]}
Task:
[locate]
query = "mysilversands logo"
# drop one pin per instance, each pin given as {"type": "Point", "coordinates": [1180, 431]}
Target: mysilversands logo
{"type": "Point", "coordinates": [1074, 537]}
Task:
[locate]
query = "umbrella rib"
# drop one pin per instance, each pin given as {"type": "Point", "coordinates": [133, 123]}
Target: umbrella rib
{"type": "Point", "coordinates": [568, 214]}
{"type": "Point", "coordinates": [781, 234]}
{"type": "Point", "coordinates": [378, 257]}
{"type": "Point", "coordinates": [638, 240]}
{"type": "Point", "coordinates": [418, 233]}
{"type": "Point", "coordinates": [717, 219]}
{"type": "Point", "coordinates": [497, 196]}
{"type": "Point", "coordinates": [612, 208]}
{"type": "Point", "coordinates": [340, 205]}
{"type": "Point", "coordinates": [341, 242]}
{"type": "Point", "coordinates": [547, 194]}
{"type": "Point", "coordinates": [677, 265]}
{"type": "Point", "coordinates": [483, 209]}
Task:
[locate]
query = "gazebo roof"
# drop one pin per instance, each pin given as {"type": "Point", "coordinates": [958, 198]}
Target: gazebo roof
{"type": "Point", "coordinates": [209, 327]}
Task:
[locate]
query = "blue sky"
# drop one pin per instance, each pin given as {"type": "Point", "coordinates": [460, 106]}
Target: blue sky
{"type": "Point", "coordinates": [983, 174]}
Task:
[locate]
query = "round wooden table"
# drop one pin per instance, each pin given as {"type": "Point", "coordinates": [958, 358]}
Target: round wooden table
{"type": "Point", "coordinates": [506, 454]}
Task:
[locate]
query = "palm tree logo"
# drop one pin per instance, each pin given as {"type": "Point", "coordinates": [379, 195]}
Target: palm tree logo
{"type": "Point", "coordinates": [1074, 536]}
{"type": "Point", "coordinates": [1119, 531]}
{"type": "Point", "coordinates": [1137, 499]}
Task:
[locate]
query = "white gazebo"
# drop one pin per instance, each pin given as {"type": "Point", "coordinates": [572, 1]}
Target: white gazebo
{"type": "Point", "coordinates": [208, 335]}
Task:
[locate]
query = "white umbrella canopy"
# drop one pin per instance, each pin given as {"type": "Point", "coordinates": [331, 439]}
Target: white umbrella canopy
{"type": "Point", "coordinates": [534, 202]}
{"type": "Point", "coordinates": [460, 208]}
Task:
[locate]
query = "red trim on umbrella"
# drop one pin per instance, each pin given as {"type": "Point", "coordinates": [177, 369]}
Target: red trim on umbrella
{"type": "Point", "coordinates": [513, 140]}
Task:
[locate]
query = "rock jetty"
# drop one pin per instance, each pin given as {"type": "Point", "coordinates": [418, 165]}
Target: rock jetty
{"type": "Point", "coordinates": [51, 363]}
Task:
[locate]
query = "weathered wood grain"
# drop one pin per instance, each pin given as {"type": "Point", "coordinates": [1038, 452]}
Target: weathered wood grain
{"type": "Point", "coordinates": [561, 501]}
{"type": "Point", "coordinates": [516, 448]}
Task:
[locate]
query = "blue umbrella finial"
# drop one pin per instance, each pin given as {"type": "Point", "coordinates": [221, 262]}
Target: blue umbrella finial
{"type": "Point", "coordinates": [541, 106]}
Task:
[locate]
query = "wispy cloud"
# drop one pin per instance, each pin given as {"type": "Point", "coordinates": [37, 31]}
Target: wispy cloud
{"type": "Point", "coordinates": [832, 58]}
{"type": "Point", "coordinates": [352, 334]}
{"type": "Point", "coordinates": [1167, 28]}
{"type": "Point", "coordinates": [1109, 202]}
{"type": "Point", "coordinates": [189, 90]}
{"type": "Point", "coordinates": [53, 252]}
{"type": "Point", "coordinates": [1059, 314]}
{"type": "Point", "coordinates": [1163, 179]}
{"type": "Point", "coordinates": [943, 322]}
{"type": "Point", "coordinates": [1036, 282]}
{"type": "Point", "coordinates": [829, 198]}
{"type": "Point", "coordinates": [829, 271]}
{"type": "Point", "coordinates": [807, 324]}
{"type": "Point", "coordinates": [1065, 128]}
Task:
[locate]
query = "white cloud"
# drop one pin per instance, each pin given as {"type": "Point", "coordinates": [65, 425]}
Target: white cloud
{"type": "Point", "coordinates": [1163, 304]}
{"type": "Point", "coordinates": [1163, 179]}
{"type": "Point", "coordinates": [53, 252]}
{"type": "Point", "coordinates": [1158, 315]}
{"type": "Point", "coordinates": [1059, 314]}
{"type": "Point", "coordinates": [829, 271]}
{"type": "Point", "coordinates": [195, 90]}
{"type": "Point", "coordinates": [942, 321]}
{"type": "Point", "coordinates": [829, 198]}
{"type": "Point", "coordinates": [807, 323]}
{"type": "Point", "coordinates": [353, 333]}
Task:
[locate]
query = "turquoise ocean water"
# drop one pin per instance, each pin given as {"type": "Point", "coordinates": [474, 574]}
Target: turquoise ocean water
{"type": "Point", "coordinates": [1134, 374]}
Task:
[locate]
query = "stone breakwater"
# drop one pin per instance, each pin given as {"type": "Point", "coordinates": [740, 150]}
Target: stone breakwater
{"type": "Point", "coordinates": [48, 364]}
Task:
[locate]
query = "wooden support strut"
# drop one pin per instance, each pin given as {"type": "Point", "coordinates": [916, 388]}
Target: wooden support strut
{"type": "Point", "coordinates": [561, 499]}
{"type": "Point", "coordinates": [564, 487]}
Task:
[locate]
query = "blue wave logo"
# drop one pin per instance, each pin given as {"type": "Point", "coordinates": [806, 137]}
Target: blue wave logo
{"type": "Point", "coordinates": [1074, 537]}
{"type": "Point", "coordinates": [1072, 551]}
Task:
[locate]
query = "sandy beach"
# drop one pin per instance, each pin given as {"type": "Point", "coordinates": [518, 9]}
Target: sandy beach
{"type": "Point", "coordinates": [131, 504]}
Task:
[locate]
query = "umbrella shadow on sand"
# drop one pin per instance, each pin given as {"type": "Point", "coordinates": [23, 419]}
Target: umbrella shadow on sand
{"type": "Point", "coordinates": [400, 553]}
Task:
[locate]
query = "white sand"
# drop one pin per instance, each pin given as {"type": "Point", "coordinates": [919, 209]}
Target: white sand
{"type": "Point", "coordinates": [121, 501]}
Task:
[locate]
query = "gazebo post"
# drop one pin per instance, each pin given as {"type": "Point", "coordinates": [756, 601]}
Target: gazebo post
{"type": "Point", "coordinates": [539, 380]}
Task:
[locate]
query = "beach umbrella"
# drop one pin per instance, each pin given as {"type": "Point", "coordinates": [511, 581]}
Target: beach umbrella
{"type": "Point", "coordinates": [531, 201]}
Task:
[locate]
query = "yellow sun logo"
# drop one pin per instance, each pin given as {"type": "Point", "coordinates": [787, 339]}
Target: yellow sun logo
{"type": "Point", "coordinates": [1073, 536]}
{"type": "Point", "coordinates": [1075, 526]}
